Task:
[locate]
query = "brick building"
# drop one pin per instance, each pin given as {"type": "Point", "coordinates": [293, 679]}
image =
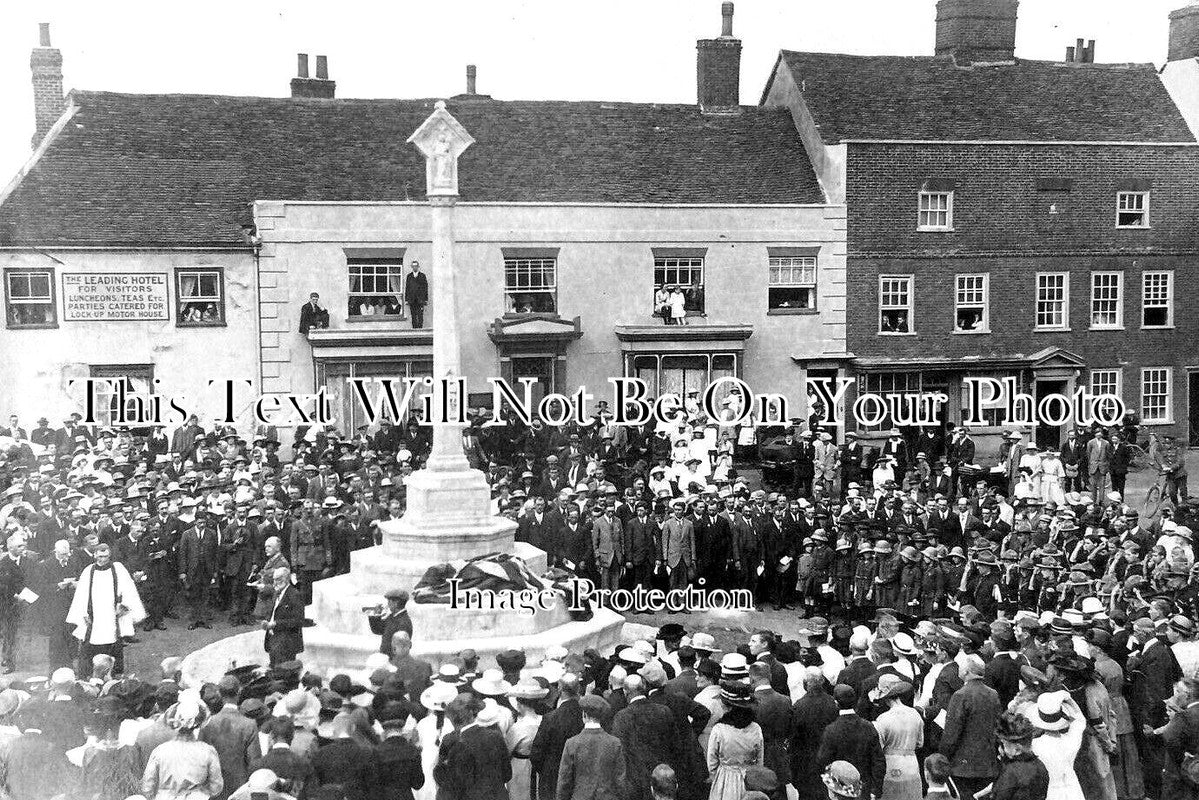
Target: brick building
{"type": "Point", "coordinates": [1012, 218]}
{"type": "Point", "coordinates": [571, 215]}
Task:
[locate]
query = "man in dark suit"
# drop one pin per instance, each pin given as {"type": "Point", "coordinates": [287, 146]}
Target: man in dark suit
{"type": "Point", "coordinates": [859, 666]}
{"type": "Point", "coordinates": [773, 714]}
{"type": "Point", "coordinates": [1002, 672]}
{"type": "Point", "coordinates": [690, 719]}
{"type": "Point", "coordinates": [416, 294]}
{"type": "Point", "coordinates": [804, 469]}
{"type": "Point", "coordinates": [853, 458]}
{"type": "Point", "coordinates": [1153, 670]}
{"type": "Point", "coordinates": [810, 715]}
{"type": "Point", "coordinates": [284, 637]}
{"type": "Point", "coordinates": [593, 762]}
{"type": "Point", "coordinates": [279, 526]}
{"type": "Point", "coordinates": [473, 762]}
{"type": "Point", "coordinates": [535, 526]}
{"type": "Point", "coordinates": [312, 315]}
{"type": "Point", "coordinates": [557, 727]}
{"type": "Point", "coordinates": [237, 556]}
{"type": "Point", "coordinates": [395, 618]}
{"type": "Point", "coordinates": [685, 683]}
{"type": "Point", "coordinates": [853, 739]}
{"type": "Point", "coordinates": [234, 736]}
{"type": "Point", "coordinates": [647, 732]}
{"type": "Point", "coordinates": [197, 568]}
{"type": "Point", "coordinates": [641, 546]}
{"type": "Point", "coordinates": [55, 578]}
{"type": "Point", "coordinates": [15, 566]}
{"type": "Point", "coordinates": [969, 738]}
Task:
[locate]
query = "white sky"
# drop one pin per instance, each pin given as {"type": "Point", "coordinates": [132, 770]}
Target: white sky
{"type": "Point", "coordinates": [636, 50]}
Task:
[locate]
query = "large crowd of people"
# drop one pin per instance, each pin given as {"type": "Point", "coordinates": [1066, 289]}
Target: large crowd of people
{"type": "Point", "coordinates": [1022, 632]}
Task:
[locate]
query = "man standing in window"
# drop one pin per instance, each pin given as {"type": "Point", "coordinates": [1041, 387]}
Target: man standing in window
{"type": "Point", "coordinates": [416, 293]}
{"type": "Point", "coordinates": [312, 315]}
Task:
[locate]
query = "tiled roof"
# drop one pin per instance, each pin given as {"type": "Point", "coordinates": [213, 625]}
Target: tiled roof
{"type": "Point", "coordinates": [183, 169]}
{"type": "Point", "coordinates": [928, 98]}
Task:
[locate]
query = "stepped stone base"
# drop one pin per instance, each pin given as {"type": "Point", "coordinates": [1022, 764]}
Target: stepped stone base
{"type": "Point", "coordinates": [448, 519]}
{"type": "Point", "coordinates": [328, 652]}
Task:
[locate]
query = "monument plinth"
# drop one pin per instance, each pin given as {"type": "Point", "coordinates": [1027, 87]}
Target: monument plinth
{"type": "Point", "coordinates": [448, 517]}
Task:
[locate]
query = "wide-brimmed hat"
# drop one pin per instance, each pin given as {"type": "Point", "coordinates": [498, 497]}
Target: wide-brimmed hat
{"type": "Point", "coordinates": [843, 780]}
{"type": "Point", "coordinates": [529, 689]}
{"type": "Point", "coordinates": [491, 684]}
{"type": "Point", "coordinates": [1182, 624]}
{"type": "Point", "coordinates": [632, 655]}
{"type": "Point", "coordinates": [1033, 677]}
{"type": "Point", "coordinates": [1049, 715]}
{"type": "Point", "coordinates": [986, 559]}
{"type": "Point", "coordinates": [1072, 663]}
{"type": "Point", "coordinates": [704, 642]}
{"type": "Point", "coordinates": [438, 696]}
{"type": "Point", "coordinates": [889, 686]}
{"type": "Point", "coordinates": [882, 547]}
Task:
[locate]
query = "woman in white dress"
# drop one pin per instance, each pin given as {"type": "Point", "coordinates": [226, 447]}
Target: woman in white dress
{"type": "Point", "coordinates": [1053, 477]}
{"type": "Point", "coordinates": [678, 305]}
{"type": "Point", "coordinates": [430, 731]}
{"type": "Point", "coordinates": [526, 697]}
{"type": "Point", "coordinates": [1031, 461]}
{"type": "Point", "coordinates": [1061, 725]}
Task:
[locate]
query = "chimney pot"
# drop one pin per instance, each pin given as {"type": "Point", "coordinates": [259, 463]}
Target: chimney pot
{"type": "Point", "coordinates": [1069, 55]}
{"type": "Point", "coordinates": [726, 20]}
{"type": "Point", "coordinates": [318, 87]}
{"type": "Point", "coordinates": [977, 30]}
{"type": "Point", "coordinates": [1090, 51]}
{"type": "Point", "coordinates": [471, 74]}
{"type": "Point", "coordinates": [43, 29]}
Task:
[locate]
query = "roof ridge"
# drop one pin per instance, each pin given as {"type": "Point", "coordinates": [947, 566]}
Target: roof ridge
{"type": "Point", "coordinates": [102, 94]}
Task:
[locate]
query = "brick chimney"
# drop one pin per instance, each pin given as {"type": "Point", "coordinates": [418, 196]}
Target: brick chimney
{"type": "Point", "coordinates": [982, 31]}
{"type": "Point", "coordinates": [718, 68]}
{"type": "Point", "coordinates": [320, 86]}
{"type": "Point", "coordinates": [1081, 53]}
{"type": "Point", "coordinates": [45, 62]}
{"type": "Point", "coordinates": [1184, 33]}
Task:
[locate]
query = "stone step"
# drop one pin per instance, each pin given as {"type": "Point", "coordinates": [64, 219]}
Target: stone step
{"type": "Point", "coordinates": [328, 652]}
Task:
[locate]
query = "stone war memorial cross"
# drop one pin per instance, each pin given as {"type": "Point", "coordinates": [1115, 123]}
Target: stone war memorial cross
{"type": "Point", "coordinates": [448, 518]}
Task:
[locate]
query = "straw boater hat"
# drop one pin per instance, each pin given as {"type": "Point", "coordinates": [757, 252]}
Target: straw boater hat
{"type": "Point", "coordinates": [736, 693]}
{"type": "Point", "coordinates": [1049, 715]}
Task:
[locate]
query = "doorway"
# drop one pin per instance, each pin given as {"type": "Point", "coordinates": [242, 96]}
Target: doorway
{"type": "Point", "coordinates": [541, 368]}
{"type": "Point", "coordinates": [1048, 436]}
